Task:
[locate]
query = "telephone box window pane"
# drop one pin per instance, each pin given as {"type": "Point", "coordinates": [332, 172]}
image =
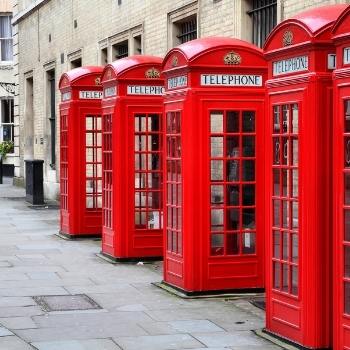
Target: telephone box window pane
{"type": "Point", "coordinates": [232, 195]}
{"type": "Point", "coordinates": [285, 277]}
{"type": "Point", "coordinates": [248, 194]}
{"type": "Point", "coordinates": [285, 183]}
{"type": "Point", "coordinates": [248, 146]}
{"type": "Point", "coordinates": [295, 118]}
{"type": "Point", "coordinates": [232, 219]}
{"type": "Point", "coordinates": [295, 248]}
{"type": "Point", "coordinates": [216, 170]}
{"type": "Point", "coordinates": [276, 244]}
{"type": "Point", "coordinates": [216, 122]}
{"type": "Point", "coordinates": [295, 183]}
{"type": "Point", "coordinates": [169, 240]}
{"type": "Point", "coordinates": [174, 242]}
{"type": "Point", "coordinates": [347, 152]}
{"type": "Point", "coordinates": [295, 215]}
{"type": "Point", "coordinates": [347, 261]}
{"type": "Point", "coordinates": [232, 121]}
{"type": "Point", "coordinates": [276, 151]}
{"type": "Point", "coordinates": [285, 214]}
{"type": "Point", "coordinates": [232, 146]}
{"type": "Point", "coordinates": [285, 151]}
{"type": "Point", "coordinates": [285, 118]}
{"type": "Point", "coordinates": [285, 250]}
{"type": "Point", "coordinates": [89, 202]}
{"type": "Point", "coordinates": [347, 116]}
{"type": "Point", "coordinates": [277, 213]}
{"type": "Point", "coordinates": [277, 275]}
{"type": "Point", "coordinates": [347, 298]}
{"type": "Point", "coordinates": [153, 142]}
{"type": "Point", "coordinates": [295, 151]}
{"type": "Point", "coordinates": [248, 121]}
{"type": "Point", "coordinates": [347, 225]}
{"type": "Point", "coordinates": [248, 170]}
{"type": "Point", "coordinates": [217, 219]}
{"type": "Point", "coordinates": [276, 182]}
{"type": "Point", "coordinates": [347, 188]}
{"type": "Point", "coordinates": [140, 123]}
{"type": "Point", "coordinates": [276, 120]}
{"type": "Point", "coordinates": [248, 217]}
{"type": "Point", "coordinates": [248, 244]}
{"type": "Point", "coordinates": [294, 278]}
{"type": "Point", "coordinates": [155, 122]}
{"type": "Point", "coordinates": [217, 244]}
{"type": "Point", "coordinates": [216, 146]}
{"type": "Point", "coordinates": [232, 170]}
{"type": "Point", "coordinates": [217, 194]}
{"type": "Point", "coordinates": [232, 241]}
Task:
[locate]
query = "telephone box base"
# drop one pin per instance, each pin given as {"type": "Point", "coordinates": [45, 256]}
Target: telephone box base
{"type": "Point", "coordinates": [114, 260]}
{"type": "Point", "coordinates": [208, 293]}
{"type": "Point", "coordinates": [283, 342]}
{"type": "Point", "coordinates": [76, 236]}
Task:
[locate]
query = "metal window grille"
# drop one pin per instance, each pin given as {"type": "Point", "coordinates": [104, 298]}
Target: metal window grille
{"type": "Point", "coordinates": [188, 30]}
{"type": "Point", "coordinates": [264, 17]}
{"type": "Point", "coordinates": [122, 50]}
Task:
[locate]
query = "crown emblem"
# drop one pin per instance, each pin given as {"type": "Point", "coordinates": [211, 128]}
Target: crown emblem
{"type": "Point", "coordinates": [98, 81]}
{"type": "Point", "coordinates": [174, 61]}
{"type": "Point", "coordinates": [232, 58]}
{"type": "Point", "coordinates": [287, 38]}
{"type": "Point", "coordinates": [152, 73]}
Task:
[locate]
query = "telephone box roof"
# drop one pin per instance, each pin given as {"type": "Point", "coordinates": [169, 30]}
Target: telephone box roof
{"type": "Point", "coordinates": [341, 27]}
{"type": "Point", "coordinates": [79, 75]}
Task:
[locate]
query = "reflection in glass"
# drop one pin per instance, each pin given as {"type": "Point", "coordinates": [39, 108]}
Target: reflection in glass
{"type": "Point", "coordinates": [153, 142]}
{"type": "Point", "coordinates": [276, 182]}
{"type": "Point", "coordinates": [216, 122]}
{"type": "Point", "coordinates": [217, 244]}
{"type": "Point", "coordinates": [217, 219]}
{"type": "Point", "coordinates": [295, 215]}
{"type": "Point", "coordinates": [276, 120]}
{"type": "Point", "coordinates": [295, 183]}
{"type": "Point", "coordinates": [248, 218]}
{"type": "Point", "coordinates": [248, 170]}
{"type": "Point", "coordinates": [285, 150]}
{"type": "Point", "coordinates": [232, 121]}
{"type": "Point", "coordinates": [232, 146]}
{"type": "Point", "coordinates": [295, 151]}
{"type": "Point", "coordinates": [232, 241]}
{"type": "Point", "coordinates": [248, 195]}
{"type": "Point", "coordinates": [285, 277]}
{"type": "Point", "coordinates": [347, 116]}
{"type": "Point", "coordinates": [276, 275]}
{"type": "Point", "coordinates": [217, 194]}
{"type": "Point", "coordinates": [294, 277]}
{"type": "Point", "coordinates": [285, 245]}
{"type": "Point", "coordinates": [285, 118]}
{"type": "Point", "coordinates": [347, 298]}
{"type": "Point", "coordinates": [140, 161]}
{"type": "Point", "coordinates": [248, 121]}
{"type": "Point", "coordinates": [232, 170]}
{"type": "Point", "coordinates": [216, 170]}
{"type": "Point", "coordinates": [347, 261]}
{"type": "Point", "coordinates": [140, 218]}
{"type": "Point", "coordinates": [140, 123]}
{"type": "Point", "coordinates": [276, 244]}
{"type": "Point", "coordinates": [232, 219]}
{"type": "Point", "coordinates": [155, 122]}
{"type": "Point", "coordinates": [276, 150]}
{"type": "Point", "coordinates": [248, 147]}
{"type": "Point", "coordinates": [248, 244]}
{"type": "Point", "coordinates": [285, 182]}
{"type": "Point", "coordinates": [216, 146]}
{"type": "Point", "coordinates": [347, 188]}
{"type": "Point", "coordinates": [285, 214]}
{"type": "Point", "coordinates": [232, 195]}
{"type": "Point", "coordinates": [295, 118]}
{"type": "Point", "coordinates": [347, 225]}
{"type": "Point", "coordinates": [140, 142]}
{"type": "Point", "coordinates": [295, 248]}
{"type": "Point", "coordinates": [277, 212]}
{"type": "Point", "coordinates": [347, 152]}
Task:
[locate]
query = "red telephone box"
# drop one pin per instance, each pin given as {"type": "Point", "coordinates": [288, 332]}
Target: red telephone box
{"type": "Point", "coordinates": [81, 152]}
{"type": "Point", "coordinates": [214, 110]}
{"type": "Point", "coordinates": [132, 159]}
{"type": "Point", "coordinates": [301, 58]}
{"type": "Point", "coordinates": [341, 181]}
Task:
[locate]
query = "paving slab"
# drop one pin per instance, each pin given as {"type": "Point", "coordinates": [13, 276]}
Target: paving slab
{"type": "Point", "coordinates": [14, 343]}
{"type": "Point", "coordinates": [195, 326]}
{"type": "Point", "coordinates": [90, 344]}
{"type": "Point", "coordinates": [14, 323]}
{"type": "Point", "coordinates": [4, 332]}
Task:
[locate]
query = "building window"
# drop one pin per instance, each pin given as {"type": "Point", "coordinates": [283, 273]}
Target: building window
{"type": "Point", "coordinates": [264, 18]}
{"type": "Point", "coordinates": [187, 29]}
{"type": "Point", "coordinates": [51, 104]}
{"type": "Point", "coordinates": [121, 49]}
{"type": "Point", "coordinates": [76, 63]}
{"type": "Point", "coordinates": [6, 38]}
{"type": "Point", "coordinates": [7, 120]}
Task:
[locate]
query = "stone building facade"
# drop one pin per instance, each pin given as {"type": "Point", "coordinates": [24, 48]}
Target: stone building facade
{"type": "Point", "coordinates": [53, 36]}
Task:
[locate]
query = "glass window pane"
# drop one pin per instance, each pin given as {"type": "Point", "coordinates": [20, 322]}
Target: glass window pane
{"type": "Point", "coordinates": [276, 151]}
{"type": "Point", "coordinates": [285, 277]}
{"type": "Point", "coordinates": [232, 121]}
{"type": "Point", "coordinates": [140, 161]}
{"type": "Point", "coordinates": [347, 188]}
{"type": "Point", "coordinates": [347, 116]}
{"type": "Point", "coordinates": [217, 219]}
{"type": "Point", "coordinates": [248, 195]}
{"type": "Point", "coordinates": [140, 123]}
{"type": "Point", "coordinates": [248, 124]}
{"type": "Point", "coordinates": [276, 120]}
{"type": "Point", "coordinates": [294, 278]}
{"type": "Point", "coordinates": [276, 182]}
{"type": "Point", "coordinates": [232, 170]}
{"type": "Point", "coordinates": [285, 150]}
{"type": "Point", "coordinates": [89, 202]}
{"type": "Point", "coordinates": [140, 142]}
{"type": "Point", "coordinates": [248, 217]}
{"type": "Point", "coordinates": [154, 120]}
{"type": "Point", "coordinates": [347, 298]}
{"type": "Point", "coordinates": [347, 261]}
{"type": "Point", "coordinates": [216, 122]}
{"type": "Point", "coordinates": [285, 246]}
{"type": "Point", "coordinates": [232, 146]}
{"type": "Point", "coordinates": [295, 183]}
{"type": "Point", "coordinates": [217, 244]}
{"type": "Point", "coordinates": [295, 248]}
{"type": "Point", "coordinates": [347, 225]}
{"type": "Point", "coordinates": [216, 170]}
{"type": "Point", "coordinates": [285, 118]}
{"type": "Point", "coordinates": [285, 214]}
{"type": "Point", "coordinates": [347, 152]}
{"type": "Point", "coordinates": [248, 244]}
{"type": "Point", "coordinates": [153, 142]}
{"type": "Point", "coordinates": [232, 244]}
{"type": "Point", "coordinates": [216, 146]}
{"type": "Point", "coordinates": [277, 212]}
{"type": "Point", "coordinates": [295, 151]}
{"type": "Point", "coordinates": [89, 121]}
{"type": "Point", "coordinates": [232, 219]}
{"type": "Point", "coordinates": [276, 275]}
{"type": "Point", "coordinates": [217, 194]}
{"type": "Point", "coordinates": [232, 195]}
{"type": "Point", "coordinates": [295, 118]}
{"type": "Point", "coordinates": [248, 170]}
{"type": "Point", "coordinates": [295, 215]}
{"type": "Point", "coordinates": [140, 199]}
{"type": "Point", "coordinates": [248, 147]}
{"type": "Point", "coordinates": [276, 244]}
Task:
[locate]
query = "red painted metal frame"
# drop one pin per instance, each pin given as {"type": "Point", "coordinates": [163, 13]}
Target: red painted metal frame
{"type": "Point", "coordinates": [341, 133]}
{"type": "Point", "coordinates": [122, 239]}
{"type": "Point", "coordinates": [189, 263]}
{"type": "Point", "coordinates": [75, 218]}
{"type": "Point", "coordinates": [302, 314]}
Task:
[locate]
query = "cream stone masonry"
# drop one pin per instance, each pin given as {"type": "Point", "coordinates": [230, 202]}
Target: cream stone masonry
{"type": "Point", "coordinates": [53, 35]}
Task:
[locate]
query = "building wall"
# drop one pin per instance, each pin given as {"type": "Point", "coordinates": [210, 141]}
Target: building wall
{"type": "Point", "coordinates": [82, 28]}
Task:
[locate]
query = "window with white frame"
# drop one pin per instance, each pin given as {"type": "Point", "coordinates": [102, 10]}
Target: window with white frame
{"type": "Point", "coordinates": [6, 38]}
{"type": "Point", "coordinates": [7, 119]}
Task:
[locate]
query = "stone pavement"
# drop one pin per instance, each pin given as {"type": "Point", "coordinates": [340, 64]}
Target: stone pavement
{"type": "Point", "coordinates": [133, 314]}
